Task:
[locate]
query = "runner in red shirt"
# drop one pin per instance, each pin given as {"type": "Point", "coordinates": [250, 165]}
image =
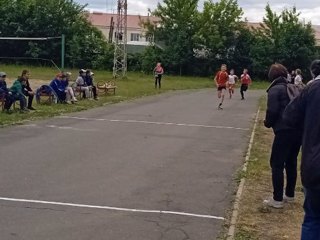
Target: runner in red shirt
{"type": "Point", "coordinates": [221, 80]}
{"type": "Point", "coordinates": [245, 82]}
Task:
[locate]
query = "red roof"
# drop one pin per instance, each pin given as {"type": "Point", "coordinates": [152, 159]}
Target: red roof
{"type": "Point", "coordinates": [104, 19]}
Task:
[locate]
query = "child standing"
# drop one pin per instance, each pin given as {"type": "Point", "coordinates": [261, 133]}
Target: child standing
{"type": "Point", "coordinates": [232, 82]}
{"type": "Point", "coordinates": [158, 72]}
{"type": "Point", "coordinates": [245, 82]}
{"type": "Point", "coordinates": [221, 80]}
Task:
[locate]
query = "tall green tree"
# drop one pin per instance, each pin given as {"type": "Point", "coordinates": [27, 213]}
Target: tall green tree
{"type": "Point", "coordinates": [85, 45]}
{"type": "Point", "coordinates": [283, 38]}
{"type": "Point", "coordinates": [176, 29]}
{"type": "Point", "coordinates": [219, 31]}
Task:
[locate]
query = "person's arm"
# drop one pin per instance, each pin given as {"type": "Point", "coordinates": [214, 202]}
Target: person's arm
{"type": "Point", "coordinates": [216, 79]}
{"type": "Point", "coordinates": [294, 113]}
{"type": "Point", "coordinates": [273, 108]}
{"type": "Point", "coordinates": [250, 80]}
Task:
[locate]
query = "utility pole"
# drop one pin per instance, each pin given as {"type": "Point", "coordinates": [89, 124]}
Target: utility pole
{"type": "Point", "coordinates": [120, 49]}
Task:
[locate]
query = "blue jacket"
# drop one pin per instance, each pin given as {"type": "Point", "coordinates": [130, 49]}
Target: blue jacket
{"type": "Point", "coordinates": [88, 80]}
{"type": "Point", "coordinates": [57, 85]}
{"type": "Point", "coordinates": [3, 87]}
{"type": "Point", "coordinates": [304, 113]}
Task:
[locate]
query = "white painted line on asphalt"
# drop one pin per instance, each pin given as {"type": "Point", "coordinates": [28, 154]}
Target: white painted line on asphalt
{"type": "Point", "coordinates": [59, 127]}
{"type": "Point", "coordinates": [155, 123]}
{"type": "Point", "coordinates": [111, 208]}
{"type": "Point", "coordinates": [236, 205]}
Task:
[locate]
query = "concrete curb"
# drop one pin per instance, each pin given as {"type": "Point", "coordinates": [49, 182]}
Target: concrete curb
{"type": "Point", "coordinates": [236, 205]}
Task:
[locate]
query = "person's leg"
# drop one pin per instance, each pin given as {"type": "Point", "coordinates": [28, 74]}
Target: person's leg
{"type": "Point", "coordinates": [87, 92]}
{"type": "Point", "coordinates": [221, 95]}
{"type": "Point", "coordinates": [280, 152]}
{"type": "Point", "coordinates": [22, 101]}
{"type": "Point", "coordinates": [30, 100]}
{"type": "Point", "coordinates": [311, 224]}
{"type": "Point", "coordinates": [155, 82]}
{"type": "Point", "coordinates": [8, 102]}
{"type": "Point", "coordinates": [159, 80]}
{"type": "Point", "coordinates": [242, 92]}
{"type": "Point", "coordinates": [294, 142]}
{"type": "Point", "coordinates": [94, 91]}
{"type": "Point", "coordinates": [68, 96]}
{"type": "Point", "coordinates": [70, 91]}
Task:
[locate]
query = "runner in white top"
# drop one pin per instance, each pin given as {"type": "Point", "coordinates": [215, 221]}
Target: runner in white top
{"type": "Point", "coordinates": [298, 78]}
{"type": "Point", "coordinates": [232, 82]}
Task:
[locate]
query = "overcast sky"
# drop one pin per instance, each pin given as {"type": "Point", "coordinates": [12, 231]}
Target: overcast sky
{"type": "Point", "coordinates": [253, 9]}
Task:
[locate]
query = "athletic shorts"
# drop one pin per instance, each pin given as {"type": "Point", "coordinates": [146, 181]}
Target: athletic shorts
{"type": "Point", "coordinates": [220, 88]}
{"type": "Point", "coordinates": [244, 87]}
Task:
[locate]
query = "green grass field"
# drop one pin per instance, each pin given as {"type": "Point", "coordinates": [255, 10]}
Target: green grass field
{"type": "Point", "coordinates": [135, 86]}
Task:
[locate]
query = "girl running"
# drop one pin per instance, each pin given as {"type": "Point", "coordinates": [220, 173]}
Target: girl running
{"type": "Point", "coordinates": [232, 82]}
{"type": "Point", "coordinates": [221, 80]}
{"type": "Point", "coordinates": [245, 82]}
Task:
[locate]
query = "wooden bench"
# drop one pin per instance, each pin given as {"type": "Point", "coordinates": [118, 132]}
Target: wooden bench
{"type": "Point", "coordinates": [107, 87]}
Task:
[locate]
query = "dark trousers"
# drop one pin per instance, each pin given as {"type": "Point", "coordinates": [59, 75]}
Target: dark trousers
{"type": "Point", "coordinates": [94, 91]}
{"type": "Point", "coordinates": [12, 98]}
{"type": "Point", "coordinates": [157, 81]}
{"type": "Point", "coordinates": [311, 223]}
{"type": "Point", "coordinates": [285, 150]}
{"type": "Point", "coordinates": [243, 88]}
{"type": "Point", "coordinates": [30, 98]}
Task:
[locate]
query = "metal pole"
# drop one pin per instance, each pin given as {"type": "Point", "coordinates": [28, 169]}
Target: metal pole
{"type": "Point", "coordinates": [63, 50]}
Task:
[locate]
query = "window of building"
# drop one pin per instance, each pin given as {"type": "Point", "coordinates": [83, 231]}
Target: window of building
{"type": "Point", "coordinates": [135, 37]}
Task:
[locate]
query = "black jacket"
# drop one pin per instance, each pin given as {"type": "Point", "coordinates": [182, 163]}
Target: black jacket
{"type": "Point", "coordinates": [304, 113]}
{"type": "Point", "coordinates": [278, 99]}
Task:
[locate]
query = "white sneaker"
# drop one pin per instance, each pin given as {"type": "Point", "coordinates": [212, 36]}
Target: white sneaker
{"type": "Point", "coordinates": [288, 199]}
{"type": "Point", "coordinates": [68, 102]}
{"type": "Point", "coordinates": [273, 203]}
{"type": "Point", "coordinates": [74, 100]}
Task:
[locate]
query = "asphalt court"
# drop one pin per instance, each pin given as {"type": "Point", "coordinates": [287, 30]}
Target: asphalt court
{"type": "Point", "coordinates": [155, 168]}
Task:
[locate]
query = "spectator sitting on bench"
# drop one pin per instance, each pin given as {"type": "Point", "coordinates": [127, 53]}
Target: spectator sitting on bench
{"type": "Point", "coordinates": [60, 87]}
{"type": "Point", "coordinates": [68, 89]}
{"type": "Point", "coordinates": [17, 94]}
{"type": "Point", "coordinates": [89, 83]}
{"type": "Point", "coordinates": [27, 91]}
{"type": "Point", "coordinates": [4, 92]}
{"type": "Point", "coordinates": [81, 84]}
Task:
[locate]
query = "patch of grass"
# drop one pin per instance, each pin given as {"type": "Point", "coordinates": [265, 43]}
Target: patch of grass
{"type": "Point", "coordinates": [255, 221]}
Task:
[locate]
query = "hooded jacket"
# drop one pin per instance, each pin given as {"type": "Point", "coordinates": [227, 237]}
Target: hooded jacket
{"type": "Point", "coordinates": [278, 99]}
{"type": "Point", "coordinates": [304, 113]}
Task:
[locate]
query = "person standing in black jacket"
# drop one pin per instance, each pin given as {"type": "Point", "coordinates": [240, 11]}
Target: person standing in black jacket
{"type": "Point", "coordinates": [27, 91]}
{"type": "Point", "coordinates": [287, 140]}
{"type": "Point", "coordinates": [304, 113]}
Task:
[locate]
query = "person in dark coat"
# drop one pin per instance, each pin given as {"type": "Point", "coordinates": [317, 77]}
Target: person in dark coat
{"type": "Point", "coordinates": [304, 113]}
{"type": "Point", "coordinates": [89, 83]}
{"type": "Point", "coordinates": [287, 140]}
{"type": "Point", "coordinates": [27, 90]}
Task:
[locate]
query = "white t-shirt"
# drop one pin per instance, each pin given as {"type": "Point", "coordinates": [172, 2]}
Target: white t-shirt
{"type": "Point", "coordinates": [232, 79]}
{"type": "Point", "coordinates": [298, 80]}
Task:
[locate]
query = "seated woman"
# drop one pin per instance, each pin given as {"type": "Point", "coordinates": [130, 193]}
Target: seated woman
{"type": "Point", "coordinates": [68, 90]}
{"type": "Point", "coordinates": [82, 85]}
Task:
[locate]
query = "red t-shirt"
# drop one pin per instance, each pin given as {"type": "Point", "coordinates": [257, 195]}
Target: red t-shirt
{"type": "Point", "coordinates": [222, 78]}
{"type": "Point", "coordinates": [245, 79]}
